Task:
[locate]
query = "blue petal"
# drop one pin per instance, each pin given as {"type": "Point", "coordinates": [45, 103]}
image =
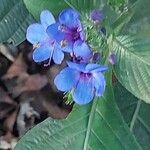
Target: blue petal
{"type": "Point", "coordinates": [42, 53]}
{"type": "Point", "coordinates": [81, 32]}
{"type": "Point", "coordinates": [84, 91]}
{"type": "Point", "coordinates": [70, 18]}
{"type": "Point", "coordinates": [66, 79]}
{"type": "Point", "coordinates": [96, 68]}
{"type": "Point", "coordinates": [55, 33]}
{"type": "Point", "coordinates": [81, 49]}
{"type": "Point", "coordinates": [79, 67]}
{"type": "Point", "coordinates": [82, 35]}
{"type": "Point", "coordinates": [58, 55]}
{"type": "Point", "coordinates": [68, 48]}
{"type": "Point", "coordinates": [99, 83]}
{"type": "Point", "coordinates": [46, 18]}
{"type": "Point", "coordinates": [36, 33]}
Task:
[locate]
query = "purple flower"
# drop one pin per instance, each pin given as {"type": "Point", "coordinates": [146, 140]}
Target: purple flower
{"type": "Point", "coordinates": [84, 80]}
{"type": "Point", "coordinates": [68, 32]}
{"type": "Point", "coordinates": [97, 16]}
{"type": "Point", "coordinates": [45, 46]}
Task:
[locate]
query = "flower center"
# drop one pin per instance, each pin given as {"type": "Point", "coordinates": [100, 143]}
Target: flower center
{"type": "Point", "coordinates": [85, 75]}
{"type": "Point", "coordinates": [77, 59]}
{"type": "Point", "coordinates": [63, 43]}
{"type": "Point", "coordinates": [36, 45]}
{"type": "Point", "coordinates": [71, 34]}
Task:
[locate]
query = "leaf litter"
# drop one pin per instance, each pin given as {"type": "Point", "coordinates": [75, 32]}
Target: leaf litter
{"type": "Point", "coordinates": [27, 94]}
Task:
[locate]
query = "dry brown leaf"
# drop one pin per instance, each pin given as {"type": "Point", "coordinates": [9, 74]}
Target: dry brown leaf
{"type": "Point", "coordinates": [30, 83]}
{"type": "Point", "coordinates": [7, 105]}
{"type": "Point", "coordinates": [4, 97]}
{"type": "Point", "coordinates": [55, 111]}
{"type": "Point", "coordinates": [8, 141]}
{"type": "Point", "coordinates": [36, 82]}
{"type": "Point", "coordinates": [52, 72]}
{"type": "Point", "coordinates": [6, 109]}
{"type": "Point", "coordinates": [17, 68]}
{"type": "Point", "coordinates": [5, 51]}
{"type": "Point", "coordinates": [26, 117]}
{"type": "Point", "coordinates": [10, 121]}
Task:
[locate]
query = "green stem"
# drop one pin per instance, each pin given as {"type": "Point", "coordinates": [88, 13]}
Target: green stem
{"type": "Point", "coordinates": [93, 109]}
{"type": "Point", "coordinates": [95, 101]}
{"type": "Point", "coordinates": [90, 121]}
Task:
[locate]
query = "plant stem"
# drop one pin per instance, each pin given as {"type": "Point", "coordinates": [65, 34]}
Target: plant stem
{"type": "Point", "coordinates": [93, 109]}
{"type": "Point", "coordinates": [90, 121]}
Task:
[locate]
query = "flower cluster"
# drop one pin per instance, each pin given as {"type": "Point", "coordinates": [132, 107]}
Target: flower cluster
{"type": "Point", "coordinates": [83, 77]}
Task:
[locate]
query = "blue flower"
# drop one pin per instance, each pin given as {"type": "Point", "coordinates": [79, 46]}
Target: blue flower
{"type": "Point", "coordinates": [45, 46]}
{"type": "Point", "coordinates": [84, 80]}
{"type": "Point", "coordinates": [68, 32]}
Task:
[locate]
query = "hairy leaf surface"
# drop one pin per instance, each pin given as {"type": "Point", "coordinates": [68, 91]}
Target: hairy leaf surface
{"type": "Point", "coordinates": [133, 64]}
{"type": "Point", "coordinates": [14, 20]}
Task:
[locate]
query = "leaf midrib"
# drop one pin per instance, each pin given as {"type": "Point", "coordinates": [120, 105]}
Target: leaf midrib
{"type": "Point", "coordinates": [128, 51]}
{"type": "Point", "coordinates": [135, 115]}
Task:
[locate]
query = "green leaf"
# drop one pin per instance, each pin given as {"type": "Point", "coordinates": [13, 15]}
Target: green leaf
{"type": "Point", "coordinates": [36, 6]}
{"type": "Point", "coordinates": [98, 125]}
{"type": "Point", "coordinates": [121, 21]}
{"type": "Point", "coordinates": [56, 6]}
{"type": "Point", "coordinates": [86, 6]}
{"type": "Point", "coordinates": [135, 19]}
{"type": "Point", "coordinates": [14, 20]}
{"type": "Point", "coordinates": [140, 21]}
{"type": "Point", "coordinates": [136, 114]}
{"type": "Point", "coordinates": [116, 3]}
{"type": "Point", "coordinates": [133, 66]}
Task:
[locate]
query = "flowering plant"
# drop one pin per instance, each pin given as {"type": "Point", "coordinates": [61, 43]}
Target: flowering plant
{"type": "Point", "coordinates": [102, 43]}
{"type": "Point", "coordinates": [82, 78]}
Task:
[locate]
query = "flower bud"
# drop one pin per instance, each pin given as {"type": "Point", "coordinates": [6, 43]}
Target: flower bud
{"type": "Point", "coordinates": [112, 59]}
{"type": "Point", "coordinates": [97, 16]}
